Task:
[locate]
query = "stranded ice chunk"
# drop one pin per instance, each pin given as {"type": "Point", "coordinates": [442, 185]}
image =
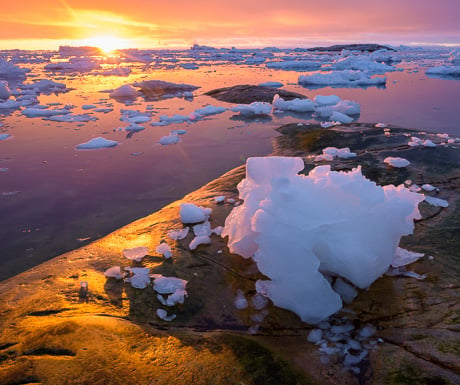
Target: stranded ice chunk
{"type": "Point", "coordinates": [297, 227]}
{"type": "Point", "coordinates": [189, 213]}
{"type": "Point", "coordinates": [140, 278]}
{"type": "Point", "coordinates": [97, 143]}
{"type": "Point", "coordinates": [136, 254]}
{"type": "Point", "coordinates": [163, 314]}
{"type": "Point", "coordinates": [396, 162]}
{"type": "Point", "coordinates": [164, 249]}
{"type": "Point", "coordinates": [114, 272]}
{"type": "Point", "coordinates": [404, 257]}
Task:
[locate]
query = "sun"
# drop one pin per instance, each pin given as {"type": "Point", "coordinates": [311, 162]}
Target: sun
{"type": "Point", "coordinates": [106, 43]}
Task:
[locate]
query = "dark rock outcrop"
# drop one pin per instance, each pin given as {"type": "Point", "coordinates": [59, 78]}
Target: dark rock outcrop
{"type": "Point", "coordinates": [246, 94]}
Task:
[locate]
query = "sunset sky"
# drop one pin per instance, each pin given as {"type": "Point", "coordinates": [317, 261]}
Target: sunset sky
{"type": "Point", "coordinates": [46, 24]}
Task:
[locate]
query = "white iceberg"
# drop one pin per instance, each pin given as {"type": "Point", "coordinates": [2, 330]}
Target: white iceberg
{"type": "Point", "coordinates": [97, 143]}
{"type": "Point", "coordinates": [347, 78]}
{"type": "Point", "coordinates": [300, 229]}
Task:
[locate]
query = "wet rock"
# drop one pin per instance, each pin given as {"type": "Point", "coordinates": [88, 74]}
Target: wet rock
{"type": "Point", "coordinates": [246, 94]}
{"type": "Point", "coordinates": [351, 47]}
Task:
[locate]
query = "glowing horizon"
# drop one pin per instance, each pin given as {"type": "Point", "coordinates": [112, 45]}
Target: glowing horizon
{"type": "Point", "coordinates": [180, 24]}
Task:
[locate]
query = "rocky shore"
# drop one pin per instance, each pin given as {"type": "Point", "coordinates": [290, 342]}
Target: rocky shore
{"type": "Point", "coordinates": [54, 331]}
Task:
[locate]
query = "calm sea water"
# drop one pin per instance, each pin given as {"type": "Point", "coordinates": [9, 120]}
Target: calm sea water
{"type": "Point", "coordinates": [54, 198]}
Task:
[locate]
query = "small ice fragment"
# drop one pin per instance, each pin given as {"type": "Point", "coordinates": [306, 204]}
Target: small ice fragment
{"type": "Point", "coordinates": [259, 301]}
{"type": "Point", "coordinates": [178, 234]}
{"type": "Point", "coordinates": [199, 240]}
{"type": "Point", "coordinates": [169, 139]}
{"type": "Point", "coordinates": [436, 201]}
{"type": "Point", "coordinates": [351, 359]}
{"type": "Point", "coordinates": [163, 314]}
{"type": "Point", "coordinates": [97, 143]}
{"type": "Point", "coordinates": [428, 187]}
{"type": "Point", "coordinates": [240, 300]}
{"type": "Point", "coordinates": [140, 278]}
{"type": "Point", "coordinates": [367, 331]}
{"type": "Point", "coordinates": [114, 272]}
{"type": "Point", "coordinates": [429, 143]}
{"type": "Point", "coordinates": [5, 136]}
{"type": "Point", "coordinates": [345, 290]}
{"type": "Point", "coordinates": [136, 253]}
{"type": "Point", "coordinates": [189, 213]}
{"type": "Point", "coordinates": [164, 249]}
{"type": "Point", "coordinates": [396, 162]}
{"type": "Point", "coordinates": [168, 285]}
{"type": "Point", "coordinates": [405, 257]}
{"type": "Point", "coordinates": [202, 229]}
{"type": "Point", "coordinates": [219, 199]}
{"type": "Point", "coordinates": [217, 230]}
{"type": "Point", "coordinates": [315, 336]}
{"type": "Point", "coordinates": [381, 125]}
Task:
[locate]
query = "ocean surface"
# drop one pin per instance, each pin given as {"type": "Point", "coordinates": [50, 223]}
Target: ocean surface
{"type": "Point", "coordinates": [54, 197]}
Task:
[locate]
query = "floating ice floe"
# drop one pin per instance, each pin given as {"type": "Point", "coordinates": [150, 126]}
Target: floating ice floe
{"type": "Point", "coordinates": [75, 64]}
{"type": "Point", "coordinates": [10, 105]}
{"type": "Point", "coordinates": [5, 136]}
{"type": "Point", "coordinates": [32, 112]}
{"type": "Point", "coordinates": [5, 92]}
{"type": "Point", "coordinates": [164, 249]}
{"type": "Point", "coordinates": [396, 161]}
{"type": "Point", "coordinates": [140, 278]}
{"type": "Point", "coordinates": [97, 143]}
{"type": "Point", "coordinates": [126, 92]}
{"type": "Point", "coordinates": [296, 105]}
{"type": "Point", "coordinates": [294, 65]}
{"type": "Point", "coordinates": [45, 86]}
{"type": "Point", "coordinates": [208, 111]}
{"type": "Point", "coordinates": [118, 71]}
{"type": "Point", "coordinates": [169, 139]}
{"type": "Point", "coordinates": [381, 125]}
{"type": "Point", "coordinates": [136, 253]}
{"type": "Point", "coordinates": [271, 84]}
{"type": "Point", "coordinates": [298, 227]}
{"type": "Point", "coordinates": [327, 100]}
{"type": "Point", "coordinates": [341, 78]}
{"type": "Point", "coordinates": [72, 118]}
{"type": "Point", "coordinates": [360, 63]}
{"type": "Point", "coordinates": [114, 272]}
{"type": "Point", "coordinates": [444, 71]}
{"type": "Point", "coordinates": [10, 71]}
{"type": "Point", "coordinates": [329, 153]}
{"type": "Point", "coordinates": [166, 120]}
{"type": "Point", "coordinates": [255, 108]}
